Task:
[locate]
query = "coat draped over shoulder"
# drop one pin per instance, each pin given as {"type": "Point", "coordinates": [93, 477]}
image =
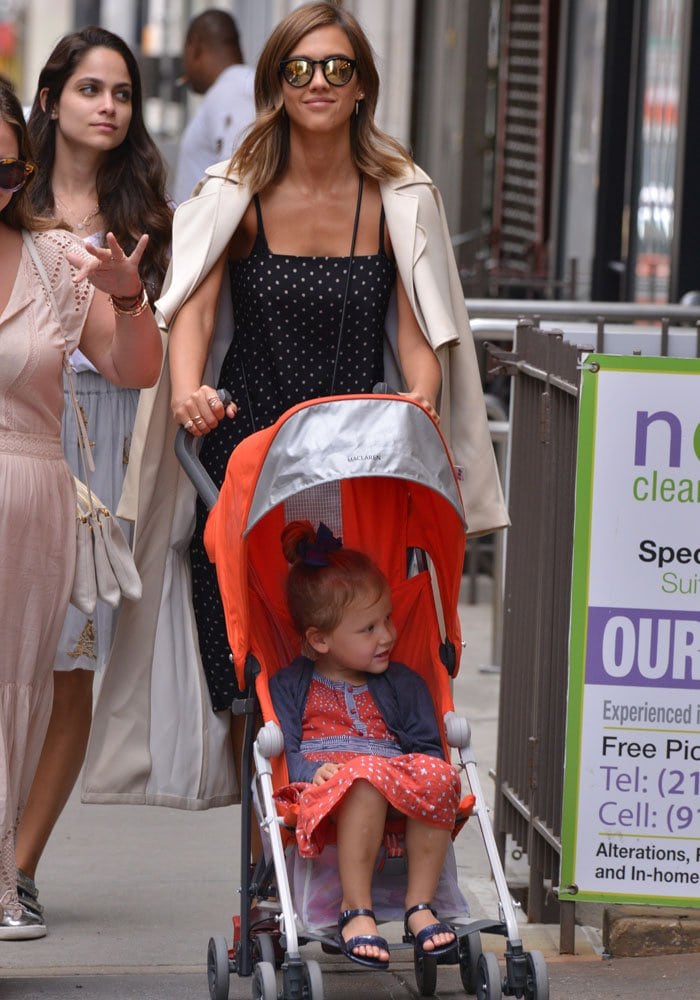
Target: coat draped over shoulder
{"type": "Point", "coordinates": [155, 738]}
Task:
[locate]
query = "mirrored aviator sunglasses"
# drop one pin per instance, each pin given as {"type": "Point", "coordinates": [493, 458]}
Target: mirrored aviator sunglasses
{"type": "Point", "coordinates": [299, 71]}
{"type": "Point", "coordinates": [14, 174]}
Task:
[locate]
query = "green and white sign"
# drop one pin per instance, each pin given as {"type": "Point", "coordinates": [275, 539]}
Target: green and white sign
{"type": "Point", "coordinates": [631, 820]}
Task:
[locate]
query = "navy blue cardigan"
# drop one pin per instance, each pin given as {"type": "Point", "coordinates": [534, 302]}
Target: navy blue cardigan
{"type": "Point", "coordinates": [399, 693]}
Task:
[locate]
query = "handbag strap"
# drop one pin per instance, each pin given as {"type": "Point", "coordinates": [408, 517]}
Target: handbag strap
{"type": "Point", "coordinates": [360, 185]}
{"type": "Point", "coordinates": [86, 458]}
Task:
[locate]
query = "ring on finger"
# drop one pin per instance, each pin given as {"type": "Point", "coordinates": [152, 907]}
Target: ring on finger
{"type": "Point", "coordinates": [188, 424]}
{"type": "Point", "coordinates": [213, 401]}
{"type": "Point", "coordinates": [199, 420]}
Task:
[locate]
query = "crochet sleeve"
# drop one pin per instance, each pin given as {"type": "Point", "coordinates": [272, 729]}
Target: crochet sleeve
{"type": "Point", "coordinates": [72, 300]}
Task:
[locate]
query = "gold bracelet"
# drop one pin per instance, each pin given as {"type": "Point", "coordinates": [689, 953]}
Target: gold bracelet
{"type": "Point", "coordinates": [131, 307]}
{"type": "Point", "coordinates": [129, 301]}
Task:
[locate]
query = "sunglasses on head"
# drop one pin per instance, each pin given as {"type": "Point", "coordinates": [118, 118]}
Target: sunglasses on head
{"type": "Point", "coordinates": [14, 173]}
{"type": "Point", "coordinates": [299, 71]}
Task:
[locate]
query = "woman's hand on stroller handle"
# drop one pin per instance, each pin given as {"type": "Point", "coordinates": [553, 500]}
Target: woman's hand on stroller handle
{"type": "Point", "coordinates": [204, 409]}
{"type": "Point", "coordinates": [384, 389]}
{"type": "Point", "coordinates": [186, 449]}
{"type": "Point", "coordinates": [417, 397]}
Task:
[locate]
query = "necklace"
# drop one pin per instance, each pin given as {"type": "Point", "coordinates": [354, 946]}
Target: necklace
{"type": "Point", "coordinates": [83, 223]}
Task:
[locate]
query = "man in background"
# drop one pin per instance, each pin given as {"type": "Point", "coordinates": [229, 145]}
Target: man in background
{"type": "Point", "coordinates": [213, 66]}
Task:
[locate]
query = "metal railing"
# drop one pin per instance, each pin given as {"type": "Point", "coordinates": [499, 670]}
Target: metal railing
{"type": "Point", "coordinates": [540, 484]}
{"type": "Point", "coordinates": [606, 327]}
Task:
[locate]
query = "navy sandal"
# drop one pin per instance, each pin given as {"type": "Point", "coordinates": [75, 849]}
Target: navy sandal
{"type": "Point", "coordinates": [419, 939]}
{"type": "Point", "coordinates": [371, 940]}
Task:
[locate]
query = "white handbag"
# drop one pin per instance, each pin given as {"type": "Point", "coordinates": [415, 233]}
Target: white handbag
{"type": "Point", "coordinates": [104, 566]}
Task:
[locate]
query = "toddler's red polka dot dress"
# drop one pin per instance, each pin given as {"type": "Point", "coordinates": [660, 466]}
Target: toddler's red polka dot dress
{"type": "Point", "coordinates": [342, 724]}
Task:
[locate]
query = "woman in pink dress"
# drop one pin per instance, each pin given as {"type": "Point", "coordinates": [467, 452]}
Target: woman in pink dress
{"type": "Point", "coordinates": [98, 170]}
{"type": "Point", "coordinates": [361, 741]}
{"type": "Point", "coordinates": [117, 331]}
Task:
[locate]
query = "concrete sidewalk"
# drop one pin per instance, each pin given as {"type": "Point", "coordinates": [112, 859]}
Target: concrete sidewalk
{"type": "Point", "coordinates": [132, 894]}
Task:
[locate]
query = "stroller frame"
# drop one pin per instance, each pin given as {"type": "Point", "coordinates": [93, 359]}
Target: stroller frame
{"type": "Point", "coordinates": [266, 936]}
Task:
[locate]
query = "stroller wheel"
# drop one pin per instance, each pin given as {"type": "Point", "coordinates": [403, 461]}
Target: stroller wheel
{"type": "Point", "coordinates": [469, 951]}
{"type": "Point", "coordinates": [264, 982]}
{"type": "Point", "coordinates": [425, 967]}
{"type": "Point", "coordinates": [488, 977]}
{"type": "Point", "coordinates": [537, 977]}
{"type": "Point", "coordinates": [313, 981]}
{"type": "Point", "coordinates": [218, 968]}
{"type": "Point", "coordinates": [264, 949]}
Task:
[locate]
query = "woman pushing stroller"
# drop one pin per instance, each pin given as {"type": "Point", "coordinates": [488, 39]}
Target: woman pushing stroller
{"type": "Point", "coordinates": [361, 741]}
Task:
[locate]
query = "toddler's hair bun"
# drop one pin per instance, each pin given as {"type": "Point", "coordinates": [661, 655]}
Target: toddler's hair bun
{"type": "Point", "coordinates": [293, 536]}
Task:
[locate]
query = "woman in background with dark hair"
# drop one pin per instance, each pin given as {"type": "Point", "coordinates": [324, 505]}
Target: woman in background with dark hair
{"type": "Point", "coordinates": [99, 171]}
{"type": "Point", "coordinates": [37, 493]}
{"type": "Point", "coordinates": [99, 165]}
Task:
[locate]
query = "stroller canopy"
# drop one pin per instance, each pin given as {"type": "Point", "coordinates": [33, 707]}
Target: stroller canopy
{"type": "Point", "coordinates": [375, 469]}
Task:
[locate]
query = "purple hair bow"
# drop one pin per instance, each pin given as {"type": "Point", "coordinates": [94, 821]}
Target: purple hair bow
{"type": "Point", "coordinates": [316, 553]}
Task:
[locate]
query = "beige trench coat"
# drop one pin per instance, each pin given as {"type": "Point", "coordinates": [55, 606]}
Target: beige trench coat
{"type": "Point", "coordinates": [154, 737]}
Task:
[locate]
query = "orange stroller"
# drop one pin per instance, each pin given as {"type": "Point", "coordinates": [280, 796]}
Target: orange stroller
{"type": "Point", "coordinates": [376, 470]}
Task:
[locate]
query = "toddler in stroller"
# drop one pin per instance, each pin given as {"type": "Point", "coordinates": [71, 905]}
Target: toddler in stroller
{"type": "Point", "coordinates": [361, 741]}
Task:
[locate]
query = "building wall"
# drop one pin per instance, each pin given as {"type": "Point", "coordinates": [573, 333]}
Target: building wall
{"type": "Point", "coordinates": [44, 23]}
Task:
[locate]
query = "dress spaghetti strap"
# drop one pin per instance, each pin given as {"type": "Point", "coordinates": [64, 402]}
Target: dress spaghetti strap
{"type": "Point", "coordinates": [381, 231]}
{"type": "Point", "coordinates": [261, 238]}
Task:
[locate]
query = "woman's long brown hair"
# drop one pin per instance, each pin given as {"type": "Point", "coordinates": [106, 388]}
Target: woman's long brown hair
{"type": "Point", "coordinates": [131, 181]}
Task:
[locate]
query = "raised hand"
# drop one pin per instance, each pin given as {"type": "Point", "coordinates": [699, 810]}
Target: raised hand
{"type": "Point", "coordinates": [109, 268]}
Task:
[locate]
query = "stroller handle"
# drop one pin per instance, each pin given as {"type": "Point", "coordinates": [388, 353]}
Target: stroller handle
{"type": "Point", "coordinates": [186, 449]}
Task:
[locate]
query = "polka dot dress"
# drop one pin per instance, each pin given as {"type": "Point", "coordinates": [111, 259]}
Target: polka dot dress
{"type": "Point", "coordinates": [343, 725]}
{"type": "Point", "coordinates": [287, 313]}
